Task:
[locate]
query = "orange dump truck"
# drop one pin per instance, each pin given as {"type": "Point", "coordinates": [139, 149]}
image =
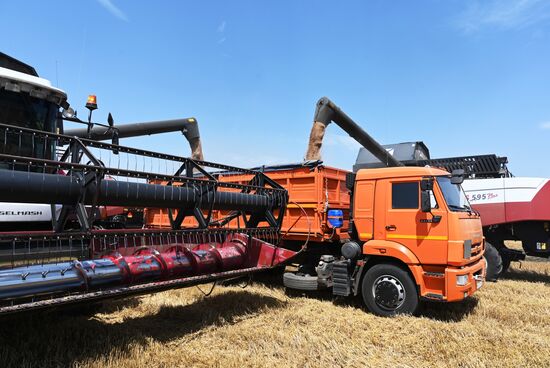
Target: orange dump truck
{"type": "Point", "coordinates": [403, 236]}
{"type": "Point", "coordinates": [394, 235]}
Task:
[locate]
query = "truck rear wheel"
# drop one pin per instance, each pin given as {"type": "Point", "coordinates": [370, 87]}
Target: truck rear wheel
{"type": "Point", "coordinates": [494, 262]}
{"type": "Point", "coordinates": [388, 290]}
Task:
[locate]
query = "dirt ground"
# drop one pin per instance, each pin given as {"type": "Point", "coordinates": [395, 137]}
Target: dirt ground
{"type": "Point", "coordinates": [507, 324]}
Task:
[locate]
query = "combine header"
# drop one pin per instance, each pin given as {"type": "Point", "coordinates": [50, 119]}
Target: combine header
{"type": "Point", "coordinates": [41, 269]}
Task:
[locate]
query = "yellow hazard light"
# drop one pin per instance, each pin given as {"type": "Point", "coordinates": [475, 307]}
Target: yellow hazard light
{"type": "Point", "coordinates": [91, 102]}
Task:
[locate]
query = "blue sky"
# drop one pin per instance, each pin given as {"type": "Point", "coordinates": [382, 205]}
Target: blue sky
{"type": "Point", "coordinates": [466, 77]}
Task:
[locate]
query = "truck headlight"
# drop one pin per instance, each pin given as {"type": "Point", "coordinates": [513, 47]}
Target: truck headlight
{"type": "Point", "coordinates": [461, 280]}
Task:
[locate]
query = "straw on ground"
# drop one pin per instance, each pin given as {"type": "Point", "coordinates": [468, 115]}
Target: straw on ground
{"type": "Point", "coordinates": [507, 325]}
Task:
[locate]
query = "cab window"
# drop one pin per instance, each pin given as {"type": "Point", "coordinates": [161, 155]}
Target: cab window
{"type": "Point", "coordinates": [405, 195]}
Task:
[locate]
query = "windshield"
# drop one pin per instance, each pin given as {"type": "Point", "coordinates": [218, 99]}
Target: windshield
{"type": "Point", "coordinates": [22, 110]}
{"type": "Point", "coordinates": [453, 194]}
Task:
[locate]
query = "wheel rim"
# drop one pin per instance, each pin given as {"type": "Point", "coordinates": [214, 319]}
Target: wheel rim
{"type": "Point", "coordinates": [388, 292]}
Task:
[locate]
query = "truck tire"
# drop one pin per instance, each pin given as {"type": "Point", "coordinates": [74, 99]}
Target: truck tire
{"type": "Point", "coordinates": [388, 290]}
{"type": "Point", "coordinates": [494, 262]}
{"type": "Point", "coordinates": [300, 281]}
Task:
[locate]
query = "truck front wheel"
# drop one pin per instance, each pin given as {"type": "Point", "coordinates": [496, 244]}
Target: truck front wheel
{"type": "Point", "coordinates": [388, 290]}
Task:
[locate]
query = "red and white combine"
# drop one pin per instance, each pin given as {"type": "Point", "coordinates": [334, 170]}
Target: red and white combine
{"type": "Point", "coordinates": [513, 208]}
{"type": "Point", "coordinates": [514, 199]}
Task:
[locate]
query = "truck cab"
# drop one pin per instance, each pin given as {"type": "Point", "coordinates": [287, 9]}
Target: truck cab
{"type": "Point", "coordinates": [417, 237]}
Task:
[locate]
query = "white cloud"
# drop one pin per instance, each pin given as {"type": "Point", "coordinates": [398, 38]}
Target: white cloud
{"type": "Point", "coordinates": [111, 8]}
{"type": "Point", "coordinates": [503, 14]}
{"type": "Point", "coordinates": [545, 125]}
{"type": "Point", "coordinates": [221, 31]}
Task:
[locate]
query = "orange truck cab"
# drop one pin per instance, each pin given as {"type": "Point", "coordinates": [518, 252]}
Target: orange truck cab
{"type": "Point", "coordinates": [414, 222]}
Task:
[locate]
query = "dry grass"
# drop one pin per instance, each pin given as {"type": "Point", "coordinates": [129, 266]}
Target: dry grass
{"type": "Point", "coordinates": [507, 325]}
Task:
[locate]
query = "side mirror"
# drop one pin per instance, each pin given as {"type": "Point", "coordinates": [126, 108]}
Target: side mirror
{"type": "Point", "coordinates": [427, 183]}
{"type": "Point", "coordinates": [425, 202]}
{"type": "Point", "coordinates": [68, 113]}
{"type": "Point", "coordinates": [457, 177]}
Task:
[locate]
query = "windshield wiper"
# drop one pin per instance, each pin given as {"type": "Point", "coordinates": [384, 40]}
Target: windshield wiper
{"type": "Point", "coordinates": [455, 207]}
{"type": "Point", "coordinates": [471, 210]}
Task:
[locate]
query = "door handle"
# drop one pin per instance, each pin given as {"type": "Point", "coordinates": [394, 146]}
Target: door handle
{"type": "Point", "coordinates": [391, 227]}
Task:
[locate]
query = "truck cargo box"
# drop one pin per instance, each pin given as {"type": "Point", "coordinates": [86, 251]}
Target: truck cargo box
{"type": "Point", "coordinates": [313, 190]}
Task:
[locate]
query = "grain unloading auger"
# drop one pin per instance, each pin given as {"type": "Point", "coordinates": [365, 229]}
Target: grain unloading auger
{"type": "Point", "coordinates": [43, 269]}
{"type": "Point", "coordinates": [188, 126]}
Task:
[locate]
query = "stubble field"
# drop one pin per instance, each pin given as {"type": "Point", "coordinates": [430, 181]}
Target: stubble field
{"type": "Point", "coordinates": [507, 324]}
